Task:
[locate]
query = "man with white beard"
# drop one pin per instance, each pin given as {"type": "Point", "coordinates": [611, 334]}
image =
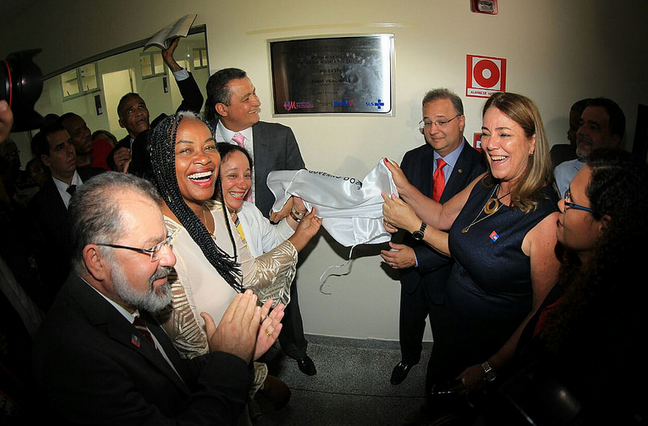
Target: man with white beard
{"type": "Point", "coordinates": [100, 357]}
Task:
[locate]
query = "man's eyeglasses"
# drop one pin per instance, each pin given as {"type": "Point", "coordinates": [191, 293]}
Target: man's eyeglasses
{"type": "Point", "coordinates": [568, 203]}
{"type": "Point", "coordinates": [426, 124]}
{"type": "Point", "coordinates": [154, 252]}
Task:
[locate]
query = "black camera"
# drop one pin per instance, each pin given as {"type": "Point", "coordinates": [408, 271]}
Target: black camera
{"type": "Point", "coordinates": [21, 84]}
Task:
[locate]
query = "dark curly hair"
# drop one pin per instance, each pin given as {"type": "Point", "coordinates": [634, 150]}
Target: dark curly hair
{"type": "Point", "coordinates": [162, 154]}
{"type": "Point", "coordinates": [618, 189]}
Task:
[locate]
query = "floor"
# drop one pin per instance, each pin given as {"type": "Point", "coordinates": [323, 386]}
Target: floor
{"type": "Point", "coordinates": [351, 386]}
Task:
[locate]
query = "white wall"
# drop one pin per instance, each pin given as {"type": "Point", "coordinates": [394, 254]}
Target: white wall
{"type": "Point", "coordinates": [557, 52]}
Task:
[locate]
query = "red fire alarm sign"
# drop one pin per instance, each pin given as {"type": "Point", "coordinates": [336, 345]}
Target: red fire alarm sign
{"type": "Point", "coordinates": [484, 76]}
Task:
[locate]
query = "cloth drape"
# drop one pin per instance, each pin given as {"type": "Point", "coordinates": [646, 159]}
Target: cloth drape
{"type": "Point", "coordinates": [351, 209]}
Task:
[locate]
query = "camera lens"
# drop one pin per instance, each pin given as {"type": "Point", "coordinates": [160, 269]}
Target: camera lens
{"type": "Point", "coordinates": [21, 84]}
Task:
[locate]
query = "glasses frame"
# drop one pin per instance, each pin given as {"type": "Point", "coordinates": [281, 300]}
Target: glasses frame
{"type": "Point", "coordinates": [152, 252]}
{"type": "Point", "coordinates": [569, 204]}
{"type": "Point", "coordinates": [440, 124]}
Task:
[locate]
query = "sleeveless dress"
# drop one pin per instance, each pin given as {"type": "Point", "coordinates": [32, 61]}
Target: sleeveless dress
{"type": "Point", "coordinates": [489, 290]}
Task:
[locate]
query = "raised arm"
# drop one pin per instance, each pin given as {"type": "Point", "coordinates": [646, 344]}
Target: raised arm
{"type": "Point", "coordinates": [400, 215]}
{"type": "Point", "coordinates": [192, 98]}
{"type": "Point", "coordinates": [439, 216]}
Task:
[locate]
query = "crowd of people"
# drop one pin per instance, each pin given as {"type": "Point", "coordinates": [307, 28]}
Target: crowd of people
{"type": "Point", "coordinates": [528, 294]}
{"type": "Point", "coordinates": [525, 259]}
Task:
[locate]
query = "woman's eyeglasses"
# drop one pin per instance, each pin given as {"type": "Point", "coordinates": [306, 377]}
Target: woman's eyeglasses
{"type": "Point", "coordinates": [568, 203]}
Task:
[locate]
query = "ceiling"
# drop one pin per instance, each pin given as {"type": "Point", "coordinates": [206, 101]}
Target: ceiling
{"type": "Point", "coordinates": [9, 9]}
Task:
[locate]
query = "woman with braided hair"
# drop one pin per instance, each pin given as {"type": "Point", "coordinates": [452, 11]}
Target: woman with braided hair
{"type": "Point", "coordinates": [213, 263]}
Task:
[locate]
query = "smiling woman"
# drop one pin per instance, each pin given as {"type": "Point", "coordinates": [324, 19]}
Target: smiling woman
{"type": "Point", "coordinates": [501, 230]}
{"type": "Point", "coordinates": [214, 264]}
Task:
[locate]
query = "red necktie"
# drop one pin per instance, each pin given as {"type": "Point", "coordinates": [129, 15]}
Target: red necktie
{"type": "Point", "coordinates": [438, 180]}
{"type": "Point", "coordinates": [240, 141]}
{"type": "Point", "coordinates": [140, 325]}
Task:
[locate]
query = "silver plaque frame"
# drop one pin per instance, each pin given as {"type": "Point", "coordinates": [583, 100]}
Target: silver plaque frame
{"type": "Point", "coordinates": [339, 75]}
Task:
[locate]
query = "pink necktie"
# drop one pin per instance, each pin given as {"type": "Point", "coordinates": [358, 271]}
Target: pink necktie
{"type": "Point", "coordinates": [240, 141]}
{"type": "Point", "coordinates": [438, 180]}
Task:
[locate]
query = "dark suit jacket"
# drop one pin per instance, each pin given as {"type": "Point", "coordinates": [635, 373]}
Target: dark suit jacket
{"type": "Point", "coordinates": [192, 100]}
{"type": "Point", "coordinates": [93, 367]}
{"type": "Point", "coordinates": [275, 148]}
{"type": "Point", "coordinates": [50, 233]}
{"type": "Point", "coordinates": [433, 268]}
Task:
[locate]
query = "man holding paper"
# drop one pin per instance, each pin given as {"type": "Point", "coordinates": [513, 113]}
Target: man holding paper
{"type": "Point", "coordinates": [134, 115]}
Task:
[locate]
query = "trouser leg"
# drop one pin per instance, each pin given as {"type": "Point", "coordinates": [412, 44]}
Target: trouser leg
{"type": "Point", "coordinates": [292, 340]}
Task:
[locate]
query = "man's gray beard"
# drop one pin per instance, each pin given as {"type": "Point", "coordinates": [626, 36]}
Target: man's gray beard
{"type": "Point", "coordinates": [150, 301]}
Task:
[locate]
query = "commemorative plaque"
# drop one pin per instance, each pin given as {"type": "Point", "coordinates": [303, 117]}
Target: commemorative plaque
{"type": "Point", "coordinates": [333, 75]}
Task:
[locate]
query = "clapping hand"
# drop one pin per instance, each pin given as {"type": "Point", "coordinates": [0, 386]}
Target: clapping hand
{"type": "Point", "coordinates": [241, 331]}
{"type": "Point", "coordinates": [270, 328]}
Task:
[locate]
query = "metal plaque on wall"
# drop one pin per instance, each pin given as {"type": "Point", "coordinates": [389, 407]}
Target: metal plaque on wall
{"type": "Point", "coordinates": [333, 75]}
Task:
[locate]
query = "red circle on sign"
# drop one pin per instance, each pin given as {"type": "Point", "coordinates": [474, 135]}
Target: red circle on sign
{"type": "Point", "coordinates": [478, 73]}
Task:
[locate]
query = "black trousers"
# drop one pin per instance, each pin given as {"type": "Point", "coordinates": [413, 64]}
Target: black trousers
{"type": "Point", "coordinates": [292, 340]}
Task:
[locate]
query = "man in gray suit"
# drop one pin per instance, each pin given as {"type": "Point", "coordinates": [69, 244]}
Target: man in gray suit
{"type": "Point", "coordinates": [232, 101]}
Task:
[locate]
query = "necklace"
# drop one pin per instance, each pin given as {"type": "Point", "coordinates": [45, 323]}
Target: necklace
{"type": "Point", "coordinates": [204, 221]}
{"type": "Point", "coordinates": [490, 208]}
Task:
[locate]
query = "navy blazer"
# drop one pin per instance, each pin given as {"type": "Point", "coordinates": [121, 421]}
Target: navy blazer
{"type": "Point", "coordinates": [434, 268]}
{"type": "Point", "coordinates": [92, 366]}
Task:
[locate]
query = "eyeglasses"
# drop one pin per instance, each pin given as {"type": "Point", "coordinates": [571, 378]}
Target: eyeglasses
{"type": "Point", "coordinates": [424, 124]}
{"type": "Point", "coordinates": [154, 252]}
{"type": "Point", "coordinates": [569, 204]}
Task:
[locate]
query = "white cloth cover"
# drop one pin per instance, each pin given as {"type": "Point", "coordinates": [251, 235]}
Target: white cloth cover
{"type": "Point", "coordinates": [351, 209]}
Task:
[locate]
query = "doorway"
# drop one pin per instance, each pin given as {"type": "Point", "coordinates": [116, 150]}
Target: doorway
{"type": "Point", "coordinates": [116, 84]}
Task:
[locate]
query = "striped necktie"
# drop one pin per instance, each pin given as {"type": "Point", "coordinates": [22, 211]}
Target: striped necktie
{"type": "Point", "coordinates": [141, 326]}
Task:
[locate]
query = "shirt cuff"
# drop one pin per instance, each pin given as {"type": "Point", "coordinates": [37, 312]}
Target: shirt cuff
{"type": "Point", "coordinates": [180, 75]}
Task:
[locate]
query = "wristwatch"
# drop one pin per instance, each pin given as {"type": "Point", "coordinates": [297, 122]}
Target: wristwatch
{"type": "Point", "coordinates": [490, 373]}
{"type": "Point", "coordinates": [418, 235]}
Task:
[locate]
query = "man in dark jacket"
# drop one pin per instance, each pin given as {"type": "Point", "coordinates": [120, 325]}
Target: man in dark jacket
{"type": "Point", "coordinates": [101, 358]}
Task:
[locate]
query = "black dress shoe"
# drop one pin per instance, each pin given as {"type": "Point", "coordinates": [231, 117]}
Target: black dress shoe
{"type": "Point", "coordinates": [400, 373]}
{"type": "Point", "coordinates": [307, 366]}
{"type": "Point", "coordinates": [276, 391]}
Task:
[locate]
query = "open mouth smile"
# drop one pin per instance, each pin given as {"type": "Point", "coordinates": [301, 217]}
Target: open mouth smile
{"type": "Point", "coordinates": [201, 177]}
{"type": "Point", "coordinates": [498, 158]}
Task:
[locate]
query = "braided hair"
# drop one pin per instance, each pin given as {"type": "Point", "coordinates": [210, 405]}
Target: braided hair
{"type": "Point", "coordinates": [162, 152]}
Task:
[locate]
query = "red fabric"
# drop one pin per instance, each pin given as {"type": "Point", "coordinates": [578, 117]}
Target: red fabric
{"type": "Point", "coordinates": [544, 314]}
{"type": "Point", "coordinates": [438, 180]}
{"type": "Point", "coordinates": [100, 150]}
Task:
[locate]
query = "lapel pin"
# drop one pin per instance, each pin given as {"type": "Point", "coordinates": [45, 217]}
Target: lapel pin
{"type": "Point", "coordinates": [135, 341]}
